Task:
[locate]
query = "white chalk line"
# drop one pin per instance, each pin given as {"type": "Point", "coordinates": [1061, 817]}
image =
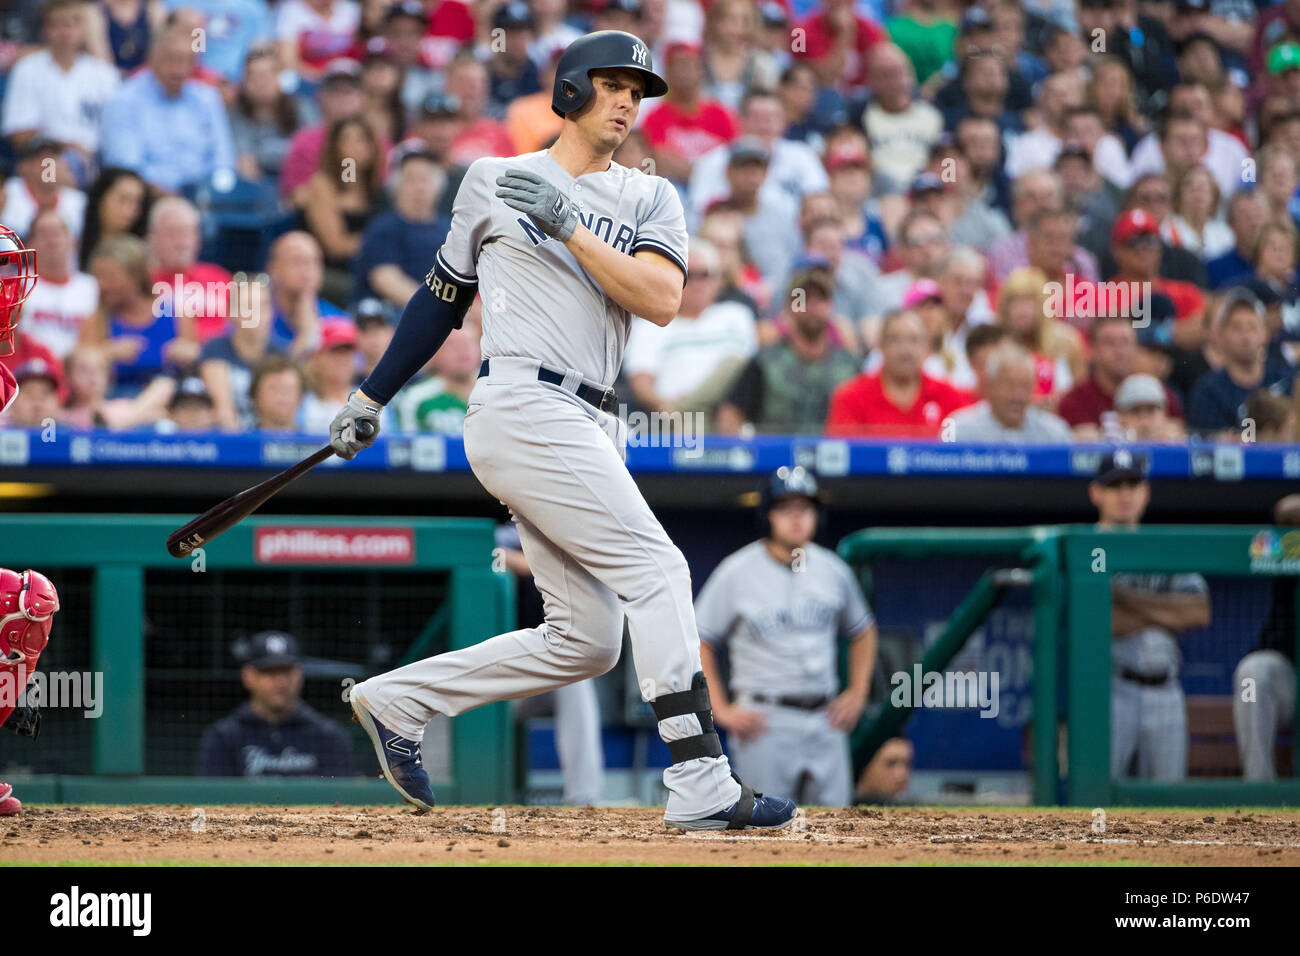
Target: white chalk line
{"type": "Point", "coordinates": [723, 837]}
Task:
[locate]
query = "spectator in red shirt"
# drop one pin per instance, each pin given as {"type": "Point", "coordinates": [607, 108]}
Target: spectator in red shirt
{"type": "Point", "coordinates": [479, 136]}
{"type": "Point", "coordinates": [1114, 358]}
{"type": "Point", "coordinates": [1136, 247]}
{"type": "Point", "coordinates": [899, 400]}
{"type": "Point", "coordinates": [182, 285]}
{"type": "Point", "coordinates": [685, 125]}
{"type": "Point", "coordinates": [837, 41]}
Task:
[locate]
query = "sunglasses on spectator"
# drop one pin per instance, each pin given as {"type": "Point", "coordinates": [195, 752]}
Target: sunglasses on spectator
{"type": "Point", "coordinates": [1143, 242]}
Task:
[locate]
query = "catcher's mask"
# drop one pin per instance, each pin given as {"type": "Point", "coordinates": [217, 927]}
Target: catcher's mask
{"type": "Point", "coordinates": [17, 279]}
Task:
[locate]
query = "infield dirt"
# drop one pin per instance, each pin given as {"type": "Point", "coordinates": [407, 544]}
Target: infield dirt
{"type": "Point", "coordinates": [567, 835]}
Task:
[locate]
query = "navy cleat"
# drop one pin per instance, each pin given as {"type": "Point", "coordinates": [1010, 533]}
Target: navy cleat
{"type": "Point", "coordinates": [752, 811]}
{"type": "Point", "coordinates": [399, 758]}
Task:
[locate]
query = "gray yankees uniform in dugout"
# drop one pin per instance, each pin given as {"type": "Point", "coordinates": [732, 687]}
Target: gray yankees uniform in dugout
{"type": "Point", "coordinates": [780, 627]}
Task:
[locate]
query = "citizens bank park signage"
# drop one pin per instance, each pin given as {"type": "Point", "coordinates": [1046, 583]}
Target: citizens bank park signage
{"type": "Point", "coordinates": [328, 544]}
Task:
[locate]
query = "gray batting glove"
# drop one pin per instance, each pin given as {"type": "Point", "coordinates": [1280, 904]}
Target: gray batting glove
{"type": "Point", "coordinates": [355, 426]}
{"type": "Point", "coordinates": [554, 213]}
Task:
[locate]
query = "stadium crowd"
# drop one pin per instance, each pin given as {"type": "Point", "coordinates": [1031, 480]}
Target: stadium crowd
{"type": "Point", "coordinates": [1035, 221]}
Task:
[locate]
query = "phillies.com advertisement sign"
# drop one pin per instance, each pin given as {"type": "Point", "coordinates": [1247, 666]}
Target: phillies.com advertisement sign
{"type": "Point", "coordinates": [298, 544]}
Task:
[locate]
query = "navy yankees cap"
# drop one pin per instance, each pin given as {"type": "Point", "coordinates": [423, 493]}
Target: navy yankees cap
{"type": "Point", "coordinates": [269, 649]}
{"type": "Point", "coordinates": [1122, 465]}
{"type": "Point", "coordinates": [514, 15]}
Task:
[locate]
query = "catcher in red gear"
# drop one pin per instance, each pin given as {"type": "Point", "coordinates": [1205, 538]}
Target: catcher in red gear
{"type": "Point", "coordinates": [27, 605]}
{"type": "Point", "coordinates": [17, 279]}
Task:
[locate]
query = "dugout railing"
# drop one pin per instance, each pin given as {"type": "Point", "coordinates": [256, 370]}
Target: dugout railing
{"type": "Point", "coordinates": [1068, 570]}
{"type": "Point", "coordinates": [111, 562]}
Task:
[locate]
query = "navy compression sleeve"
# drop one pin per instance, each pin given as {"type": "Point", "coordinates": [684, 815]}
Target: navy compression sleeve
{"type": "Point", "coordinates": [437, 307]}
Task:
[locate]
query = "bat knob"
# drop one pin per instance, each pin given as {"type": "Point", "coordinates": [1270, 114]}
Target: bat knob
{"type": "Point", "coordinates": [364, 428]}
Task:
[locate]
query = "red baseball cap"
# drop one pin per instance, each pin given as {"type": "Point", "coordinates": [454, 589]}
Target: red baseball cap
{"type": "Point", "coordinates": [845, 155]}
{"type": "Point", "coordinates": [1134, 222]}
{"type": "Point", "coordinates": [682, 46]}
{"type": "Point", "coordinates": [335, 333]}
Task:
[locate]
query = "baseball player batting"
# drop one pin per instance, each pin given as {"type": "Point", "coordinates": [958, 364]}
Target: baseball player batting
{"type": "Point", "coordinates": [565, 247]}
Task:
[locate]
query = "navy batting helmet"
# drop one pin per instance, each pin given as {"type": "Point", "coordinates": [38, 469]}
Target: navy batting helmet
{"type": "Point", "coordinates": [787, 482]}
{"type": "Point", "coordinates": [603, 50]}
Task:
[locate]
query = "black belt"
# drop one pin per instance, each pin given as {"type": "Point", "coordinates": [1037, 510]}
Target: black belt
{"type": "Point", "coordinates": [797, 701]}
{"type": "Point", "coordinates": [1146, 680]}
{"type": "Point", "coordinates": [604, 399]}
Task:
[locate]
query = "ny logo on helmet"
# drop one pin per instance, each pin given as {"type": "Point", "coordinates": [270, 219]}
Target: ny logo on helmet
{"type": "Point", "coordinates": [639, 53]}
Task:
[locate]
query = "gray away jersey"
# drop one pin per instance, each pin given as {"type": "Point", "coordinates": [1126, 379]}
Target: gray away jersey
{"type": "Point", "coordinates": [537, 301]}
{"type": "Point", "coordinates": [780, 626]}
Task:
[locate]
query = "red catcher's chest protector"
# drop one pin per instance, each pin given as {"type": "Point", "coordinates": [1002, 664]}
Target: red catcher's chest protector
{"type": "Point", "coordinates": [27, 605]}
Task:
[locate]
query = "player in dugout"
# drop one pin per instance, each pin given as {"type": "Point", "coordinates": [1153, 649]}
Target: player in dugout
{"type": "Point", "coordinates": [778, 607]}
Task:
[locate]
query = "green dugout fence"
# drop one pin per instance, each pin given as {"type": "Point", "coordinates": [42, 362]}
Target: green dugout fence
{"type": "Point", "coordinates": [156, 628]}
{"type": "Point", "coordinates": [1068, 571]}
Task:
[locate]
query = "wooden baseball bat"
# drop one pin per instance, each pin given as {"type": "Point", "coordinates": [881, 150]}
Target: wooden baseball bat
{"type": "Point", "coordinates": [222, 517]}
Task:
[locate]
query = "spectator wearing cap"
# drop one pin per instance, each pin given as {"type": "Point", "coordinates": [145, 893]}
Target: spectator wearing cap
{"type": "Point", "coordinates": [374, 320]}
{"type": "Point", "coordinates": [1195, 224]}
{"type": "Point", "coordinates": [625, 15]}
{"type": "Point", "coordinates": [1281, 307]}
{"type": "Point", "coordinates": [436, 404]}
{"type": "Point", "coordinates": [811, 111]}
{"type": "Point", "coordinates": [852, 185]}
{"type": "Point", "coordinates": [395, 248]}
{"type": "Point", "coordinates": [311, 33]}
{"type": "Point", "coordinates": [190, 409]}
{"type": "Point", "coordinates": [1038, 148]}
{"type": "Point", "coordinates": [37, 402]}
{"type": "Point", "coordinates": [1142, 405]}
{"type": "Point", "coordinates": [34, 189]}
{"type": "Point", "coordinates": [690, 364]}
{"type": "Point", "coordinates": [226, 363]}
{"type": "Point", "coordinates": [838, 42]}
{"type": "Point", "coordinates": [899, 400]}
{"type": "Point", "coordinates": [64, 299]}
{"type": "Point", "coordinates": [1057, 349]}
{"type": "Point", "coordinates": [968, 220]}
{"type": "Point", "coordinates": [685, 125]}
{"type": "Point", "coordinates": [404, 26]}
{"type": "Point", "coordinates": [1136, 248]}
{"type": "Point", "coordinates": [530, 121]}
{"type": "Point", "coordinates": [1152, 194]}
{"type": "Point", "coordinates": [767, 214]}
{"type": "Point", "coordinates": [276, 393]}
{"type": "Point", "coordinates": [263, 119]}
{"type": "Point", "coordinates": [185, 287]}
{"type": "Point", "coordinates": [1148, 613]}
{"type": "Point", "coordinates": [274, 733]}
{"type": "Point", "coordinates": [1247, 213]}
{"type": "Point", "coordinates": [735, 62]}
{"type": "Point", "coordinates": [901, 127]}
{"type": "Point", "coordinates": [295, 267]}
{"type": "Point", "coordinates": [338, 96]}
{"type": "Point", "coordinates": [1089, 406]}
{"type": "Point", "coordinates": [479, 135]}
{"type": "Point", "coordinates": [1008, 413]}
{"type": "Point", "coordinates": [512, 72]}
{"type": "Point", "coordinates": [161, 106]}
{"type": "Point", "coordinates": [1284, 69]}
{"type": "Point", "coordinates": [1216, 407]}
{"type": "Point", "coordinates": [434, 129]}
{"type": "Point", "coordinates": [339, 200]}
{"type": "Point", "coordinates": [925, 31]}
{"type": "Point", "coordinates": [794, 169]}
{"type": "Point", "coordinates": [786, 387]}
{"type": "Point", "coordinates": [330, 374]}
{"type": "Point", "coordinates": [57, 91]}
{"type": "Point", "coordinates": [1186, 137]}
